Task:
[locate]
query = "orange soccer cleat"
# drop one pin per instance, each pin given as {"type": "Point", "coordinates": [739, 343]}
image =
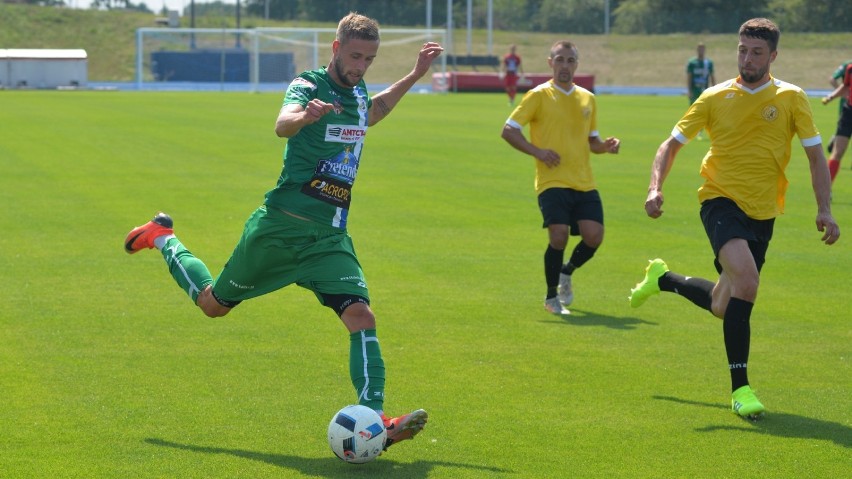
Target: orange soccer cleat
{"type": "Point", "coordinates": [144, 236]}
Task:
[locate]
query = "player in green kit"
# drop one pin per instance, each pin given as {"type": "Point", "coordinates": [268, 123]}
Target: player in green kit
{"type": "Point", "coordinates": [298, 236]}
{"type": "Point", "coordinates": [699, 74]}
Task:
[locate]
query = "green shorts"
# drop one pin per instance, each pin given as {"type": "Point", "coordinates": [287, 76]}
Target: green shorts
{"type": "Point", "coordinates": [277, 250]}
{"type": "Point", "coordinates": [694, 93]}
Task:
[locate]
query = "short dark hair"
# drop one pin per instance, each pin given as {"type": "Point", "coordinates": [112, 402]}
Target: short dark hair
{"type": "Point", "coordinates": [562, 44]}
{"type": "Point", "coordinates": [763, 29]}
{"type": "Point", "coordinates": [357, 27]}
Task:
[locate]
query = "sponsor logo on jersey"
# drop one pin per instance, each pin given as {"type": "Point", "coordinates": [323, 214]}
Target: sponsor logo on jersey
{"type": "Point", "coordinates": [329, 191]}
{"type": "Point", "coordinates": [338, 171]}
{"type": "Point", "coordinates": [345, 133]}
{"type": "Point", "coordinates": [343, 167]}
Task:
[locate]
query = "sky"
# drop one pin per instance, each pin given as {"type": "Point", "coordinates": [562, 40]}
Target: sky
{"type": "Point", "coordinates": [178, 5]}
{"type": "Point", "coordinates": [154, 5]}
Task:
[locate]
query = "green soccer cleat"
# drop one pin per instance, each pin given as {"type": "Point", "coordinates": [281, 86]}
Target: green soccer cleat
{"type": "Point", "coordinates": [650, 285]}
{"type": "Point", "coordinates": [745, 404]}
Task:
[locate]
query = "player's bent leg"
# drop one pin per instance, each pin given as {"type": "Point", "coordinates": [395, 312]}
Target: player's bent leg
{"type": "Point", "coordinates": [210, 305]}
{"type": "Point", "coordinates": [358, 316]}
{"type": "Point", "coordinates": [739, 271]}
{"type": "Point", "coordinates": [721, 296]}
{"type": "Point", "coordinates": [650, 284]}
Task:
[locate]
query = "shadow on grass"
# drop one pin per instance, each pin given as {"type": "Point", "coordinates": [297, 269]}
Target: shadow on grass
{"type": "Point", "coordinates": [587, 318]}
{"type": "Point", "coordinates": [330, 467]}
{"type": "Point", "coordinates": [780, 424]}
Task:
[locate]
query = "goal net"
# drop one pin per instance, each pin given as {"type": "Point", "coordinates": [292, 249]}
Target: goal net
{"type": "Point", "coordinates": [263, 59]}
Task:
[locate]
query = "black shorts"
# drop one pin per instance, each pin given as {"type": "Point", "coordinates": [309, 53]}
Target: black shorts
{"type": "Point", "coordinates": [844, 123]}
{"type": "Point", "coordinates": [564, 206]}
{"type": "Point", "coordinates": [724, 220]}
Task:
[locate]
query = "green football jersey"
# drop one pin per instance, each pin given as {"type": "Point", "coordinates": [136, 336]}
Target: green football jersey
{"type": "Point", "coordinates": [321, 160]}
{"type": "Point", "coordinates": [838, 75]}
{"type": "Point", "coordinates": [701, 71]}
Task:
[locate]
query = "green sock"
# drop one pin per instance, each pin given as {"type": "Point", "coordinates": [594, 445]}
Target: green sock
{"type": "Point", "coordinates": [367, 368]}
{"type": "Point", "coordinates": [189, 272]}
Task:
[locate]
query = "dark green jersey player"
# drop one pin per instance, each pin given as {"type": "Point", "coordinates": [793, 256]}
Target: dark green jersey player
{"type": "Point", "coordinates": [699, 74]}
{"type": "Point", "coordinates": [321, 162]}
{"type": "Point", "coordinates": [299, 235]}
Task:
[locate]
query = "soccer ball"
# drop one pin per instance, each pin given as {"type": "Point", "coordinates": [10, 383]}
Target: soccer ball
{"type": "Point", "coordinates": [356, 434]}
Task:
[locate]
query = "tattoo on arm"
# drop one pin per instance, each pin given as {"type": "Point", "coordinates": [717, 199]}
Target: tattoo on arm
{"type": "Point", "coordinates": [384, 109]}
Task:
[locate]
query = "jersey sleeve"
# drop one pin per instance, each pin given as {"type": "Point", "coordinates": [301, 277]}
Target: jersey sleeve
{"type": "Point", "coordinates": [693, 121]}
{"type": "Point", "coordinates": [302, 90]}
{"type": "Point", "coordinates": [593, 121]}
{"type": "Point", "coordinates": [806, 129]}
{"type": "Point", "coordinates": [525, 112]}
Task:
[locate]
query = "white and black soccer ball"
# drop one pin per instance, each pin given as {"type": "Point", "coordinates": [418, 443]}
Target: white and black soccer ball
{"type": "Point", "coordinates": [356, 434]}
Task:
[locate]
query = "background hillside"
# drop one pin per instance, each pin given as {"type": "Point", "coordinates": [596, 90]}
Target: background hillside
{"type": "Point", "coordinates": [623, 60]}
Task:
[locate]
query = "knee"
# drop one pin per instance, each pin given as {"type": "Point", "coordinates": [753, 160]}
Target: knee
{"type": "Point", "coordinates": [592, 233]}
{"type": "Point", "coordinates": [594, 241]}
{"type": "Point", "coordinates": [746, 288]}
{"type": "Point", "coordinates": [558, 237]}
{"type": "Point", "coordinates": [216, 311]}
{"type": "Point", "coordinates": [209, 305]}
{"type": "Point", "coordinates": [358, 316]}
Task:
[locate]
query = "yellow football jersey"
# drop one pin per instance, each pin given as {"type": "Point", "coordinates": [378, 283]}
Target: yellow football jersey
{"type": "Point", "coordinates": [751, 132]}
{"type": "Point", "coordinates": [561, 121]}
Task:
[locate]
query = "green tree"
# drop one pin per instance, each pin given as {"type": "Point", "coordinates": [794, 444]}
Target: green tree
{"type": "Point", "coordinates": [684, 16]}
{"type": "Point", "coordinates": [811, 16]}
{"type": "Point", "coordinates": [574, 16]}
{"type": "Point", "coordinates": [285, 10]}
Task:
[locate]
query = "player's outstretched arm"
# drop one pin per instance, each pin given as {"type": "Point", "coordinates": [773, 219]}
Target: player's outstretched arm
{"type": "Point", "coordinates": [385, 101]}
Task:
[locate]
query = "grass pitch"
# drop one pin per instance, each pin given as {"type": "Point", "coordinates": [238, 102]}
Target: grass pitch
{"type": "Point", "coordinates": [107, 370]}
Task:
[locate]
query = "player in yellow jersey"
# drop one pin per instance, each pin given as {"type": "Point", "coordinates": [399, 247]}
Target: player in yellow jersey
{"type": "Point", "coordinates": [563, 132]}
{"type": "Point", "coordinates": [751, 121]}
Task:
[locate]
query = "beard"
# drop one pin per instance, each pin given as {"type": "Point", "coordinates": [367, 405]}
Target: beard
{"type": "Point", "coordinates": [565, 77]}
{"type": "Point", "coordinates": [341, 74]}
{"type": "Point", "coordinates": [753, 77]}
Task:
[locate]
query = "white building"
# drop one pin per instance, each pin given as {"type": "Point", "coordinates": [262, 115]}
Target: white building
{"type": "Point", "coordinates": [43, 68]}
